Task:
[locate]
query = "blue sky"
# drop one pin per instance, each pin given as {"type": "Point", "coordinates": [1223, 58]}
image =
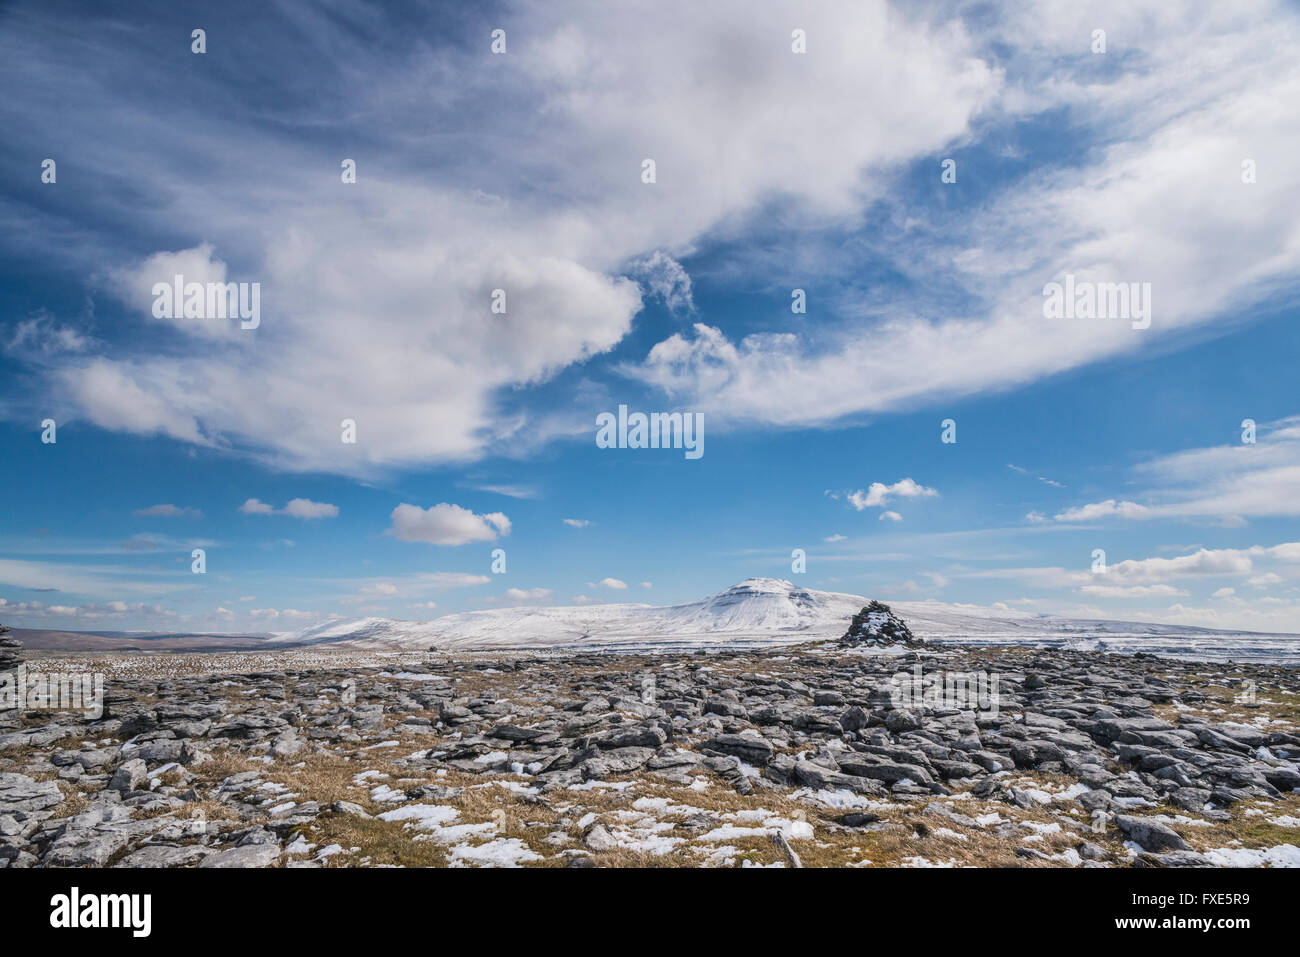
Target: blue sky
{"type": "Point", "coordinates": [522, 171]}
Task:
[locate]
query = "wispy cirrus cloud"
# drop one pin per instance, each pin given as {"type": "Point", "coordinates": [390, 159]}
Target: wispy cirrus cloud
{"type": "Point", "coordinates": [1223, 484]}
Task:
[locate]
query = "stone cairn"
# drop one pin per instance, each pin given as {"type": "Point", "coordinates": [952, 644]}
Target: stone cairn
{"type": "Point", "coordinates": [876, 624]}
{"type": "Point", "coordinates": [11, 656]}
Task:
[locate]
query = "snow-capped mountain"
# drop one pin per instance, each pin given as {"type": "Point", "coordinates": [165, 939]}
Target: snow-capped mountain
{"type": "Point", "coordinates": [756, 611]}
{"type": "Point", "coordinates": [765, 611]}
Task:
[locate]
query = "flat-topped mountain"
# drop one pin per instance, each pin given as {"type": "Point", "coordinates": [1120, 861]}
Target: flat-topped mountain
{"type": "Point", "coordinates": [770, 611]}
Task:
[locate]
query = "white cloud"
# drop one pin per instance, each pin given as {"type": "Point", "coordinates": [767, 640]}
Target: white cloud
{"type": "Point", "coordinates": [306, 508]}
{"type": "Point", "coordinates": [134, 284]}
{"type": "Point", "coordinates": [303, 508]}
{"type": "Point", "coordinates": [1225, 484]}
{"type": "Point", "coordinates": [613, 583]}
{"type": "Point", "coordinates": [409, 339]}
{"type": "Point", "coordinates": [1132, 591]}
{"type": "Point", "coordinates": [878, 493]}
{"type": "Point", "coordinates": [101, 581]}
{"type": "Point", "coordinates": [445, 524]}
{"type": "Point", "coordinates": [410, 586]}
{"type": "Point", "coordinates": [1235, 563]}
{"type": "Point", "coordinates": [1106, 509]}
{"type": "Point", "coordinates": [834, 538]}
{"type": "Point", "coordinates": [1041, 478]}
{"type": "Point", "coordinates": [1203, 562]}
{"type": "Point", "coordinates": [89, 612]}
{"type": "Point", "coordinates": [510, 491]}
{"type": "Point", "coordinates": [1166, 127]}
{"type": "Point", "coordinates": [891, 516]}
{"type": "Point", "coordinates": [576, 522]}
{"type": "Point", "coordinates": [528, 594]}
{"type": "Point", "coordinates": [666, 280]}
{"type": "Point", "coordinates": [169, 511]}
{"type": "Point", "coordinates": [1255, 616]}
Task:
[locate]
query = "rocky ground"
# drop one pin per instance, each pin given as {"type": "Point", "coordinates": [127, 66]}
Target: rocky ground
{"type": "Point", "coordinates": [789, 757]}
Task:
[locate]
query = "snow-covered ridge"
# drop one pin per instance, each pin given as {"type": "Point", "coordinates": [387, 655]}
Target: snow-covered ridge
{"type": "Point", "coordinates": [769, 611]}
{"type": "Point", "coordinates": [756, 611]}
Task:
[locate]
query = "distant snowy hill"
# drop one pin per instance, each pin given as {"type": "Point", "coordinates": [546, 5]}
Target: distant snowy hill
{"type": "Point", "coordinates": [768, 611]}
{"type": "Point", "coordinates": [757, 611]}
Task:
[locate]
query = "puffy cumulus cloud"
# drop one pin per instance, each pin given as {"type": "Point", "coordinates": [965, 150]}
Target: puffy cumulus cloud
{"type": "Point", "coordinates": [303, 508]}
{"type": "Point", "coordinates": [134, 284]}
{"type": "Point", "coordinates": [878, 493]}
{"type": "Point", "coordinates": [445, 524]}
{"type": "Point", "coordinates": [376, 296]}
{"type": "Point", "coordinates": [306, 508]}
{"type": "Point", "coordinates": [1203, 562]}
{"type": "Point", "coordinates": [1287, 551]}
{"type": "Point", "coordinates": [112, 395]}
{"type": "Point", "coordinates": [612, 583]}
{"type": "Point", "coordinates": [891, 516]}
